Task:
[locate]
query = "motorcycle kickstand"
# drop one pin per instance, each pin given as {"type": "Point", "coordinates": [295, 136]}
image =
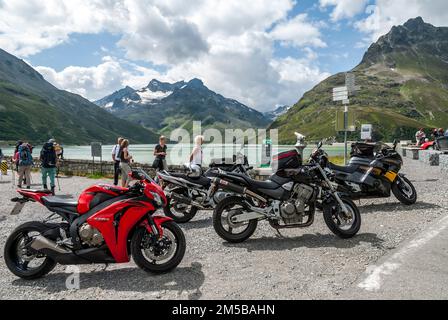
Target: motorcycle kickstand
{"type": "Point", "coordinates": [279, 234]}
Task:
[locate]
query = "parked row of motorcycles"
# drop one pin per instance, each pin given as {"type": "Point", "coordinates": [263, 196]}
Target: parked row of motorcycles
{"type": "Point", "coordinates": [109, 224]}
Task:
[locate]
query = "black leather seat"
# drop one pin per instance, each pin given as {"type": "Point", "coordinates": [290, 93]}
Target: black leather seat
{"type": "Point", "coordinates": [203, 181]}
{"type": "Point", "coordinates": [267, 185]}
{"type": "Point", "coordinates": [345, 169]}
{"type": "Point", "coordinates": [58, 202]}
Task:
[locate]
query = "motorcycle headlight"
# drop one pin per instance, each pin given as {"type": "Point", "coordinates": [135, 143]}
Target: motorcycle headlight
{"type": "Point", "coordinates": [157, 199]}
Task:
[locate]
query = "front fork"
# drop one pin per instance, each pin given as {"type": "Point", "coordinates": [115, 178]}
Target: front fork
{"type": "Point", "coordinates": [333, 191]}
{"type": "Point", "coordinates": [153, 224]}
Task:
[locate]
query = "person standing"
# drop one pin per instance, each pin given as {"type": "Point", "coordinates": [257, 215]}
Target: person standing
{"type": "Point", "coordinates": [48, 159]}
{"type": "Point", "coordinates": [125, 160]}
{"type": "Point", "coordinates": [116, 159]}
{"type": "Point", "coordinates": [196, 157]}
{"type": "Point", "coordinates": [160, 154]}
{"type": "Point", "coordinates": [420, 137]}
{"type": "Point", "coordinates": [25, 162]}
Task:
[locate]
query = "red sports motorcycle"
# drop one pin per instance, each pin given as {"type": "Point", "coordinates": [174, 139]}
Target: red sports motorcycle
{"type": "Point", "coordinates": [107, 224]}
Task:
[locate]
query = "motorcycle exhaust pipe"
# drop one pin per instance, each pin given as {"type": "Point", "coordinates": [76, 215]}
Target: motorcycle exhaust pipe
{"type": "Point", "coordinates": [238, 189]}
{"type": "Point", "coordinates": [42, 243]}
{"type": "Point", "coordinates": [181, 199]}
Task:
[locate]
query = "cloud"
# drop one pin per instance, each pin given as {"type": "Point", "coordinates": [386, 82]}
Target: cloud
{"type": "Point", "coordinates": [229, 44]}
{"type": "Point", "coordinates": [298, 32]}
{"type": "Point", "coordinates": [344, 8]}
{"type": "Point", "coordinates": [99, 81]}
{"type": "Point", "coordinates": [385, 14]}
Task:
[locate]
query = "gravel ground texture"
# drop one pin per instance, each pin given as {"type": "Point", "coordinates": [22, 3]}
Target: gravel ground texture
{"type": "Point", "coordinates": [307, 263]}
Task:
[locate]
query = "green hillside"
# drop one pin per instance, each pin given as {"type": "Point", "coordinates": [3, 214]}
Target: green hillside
{"type": "Point", "coordinates": [404, 86]}
{"type": "Point", "coordinates": [32, 109]}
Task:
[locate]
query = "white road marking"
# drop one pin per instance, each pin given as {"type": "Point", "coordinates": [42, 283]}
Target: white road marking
{"type": "Point", "coordinates": [373, 280]}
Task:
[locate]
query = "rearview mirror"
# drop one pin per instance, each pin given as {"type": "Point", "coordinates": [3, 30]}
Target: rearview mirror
{"type": "Point", "coordinates": [319, 145]}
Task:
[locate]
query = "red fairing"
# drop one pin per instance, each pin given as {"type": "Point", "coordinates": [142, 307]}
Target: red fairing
{"type": "Point", "coordinates": [153, 187]}
{"type": "Point", "coordinates": [128, 214]}
{"type": "Point", "coordinates": [87, 196]}
{"type": "Point", "coordinates": [33, 194]}
{"type": "Point", "coordinates": [427, 145]}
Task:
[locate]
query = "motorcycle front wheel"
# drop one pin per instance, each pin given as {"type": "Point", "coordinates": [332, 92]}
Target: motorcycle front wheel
{"type": "Point", "coordinates": [343, 225]}
{"type": "Point", "coordinates": [179, 212]}
{"type": "Point", "coordinates": [404, 191]}
{"type": "Point", "coordinates": [225, 228]}
{"type": "Point", "coordinates": [158, 255]}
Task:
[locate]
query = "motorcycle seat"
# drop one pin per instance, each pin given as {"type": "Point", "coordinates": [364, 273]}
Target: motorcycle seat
{"type": "Point", "coordinates": [346, 169]}
{"type": "Point", "coordinates": [58, 202]}
{"type": "Point", "coordinates": [256, 184]}
{"type": "Point", "coordinates": [203, 181]}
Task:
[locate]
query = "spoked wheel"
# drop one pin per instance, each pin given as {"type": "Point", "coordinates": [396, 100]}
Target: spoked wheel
{"type": "Point", "coordinates": [224, 225]}
{"type": "Point", "coordinates": [404, 191]}
{"type": "Point", "coordinates": [179, 212]}
{"type": "Point", "coordinates": [159, 255]}
{"type": "Point", "coordinates": [341, 224]}
{"type": "Point", "coordinates": [23, 261]}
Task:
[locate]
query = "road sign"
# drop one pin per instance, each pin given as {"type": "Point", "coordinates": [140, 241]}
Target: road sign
{"type": "Point", "coordinates": [340, 94]}
{"type": "Point", "coordinates": [366, 132]}
{"type": "Point", "coordinates": [96, 148]}
{"type": "Point", "coordinates": [350, 83]}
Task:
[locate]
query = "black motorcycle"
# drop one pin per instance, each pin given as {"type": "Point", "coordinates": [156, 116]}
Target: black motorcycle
{"type": "Point", "coordinates": [187, 193]}
{"type": "Point", "coordinates": [373, 172]}
{"type": "Point", "coordinates": [287, 200]}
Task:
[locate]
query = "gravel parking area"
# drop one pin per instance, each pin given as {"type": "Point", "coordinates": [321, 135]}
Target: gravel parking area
{"type": "Point", "coordinates": [302, 264]}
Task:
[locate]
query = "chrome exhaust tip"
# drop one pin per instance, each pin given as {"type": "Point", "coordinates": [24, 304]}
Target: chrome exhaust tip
{"type": "Point", "coordinates": [42, 243]}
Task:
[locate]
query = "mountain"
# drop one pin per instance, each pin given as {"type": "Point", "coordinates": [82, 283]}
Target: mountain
{"type": "Point", "coordinates": [163, 106]}
{"type": "Point", "coordinates": [32, 109]}
{"type": "Point", "coordinates": [404, 86]}
{"type": "Point", "coordinates": [274, 114]}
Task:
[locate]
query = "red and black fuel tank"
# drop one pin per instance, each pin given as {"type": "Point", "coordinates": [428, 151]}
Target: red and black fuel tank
{"type": "Point", "coordinates": [95, 195]}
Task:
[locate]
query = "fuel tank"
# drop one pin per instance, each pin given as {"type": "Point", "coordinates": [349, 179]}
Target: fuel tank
{"type": "Point", "coordinates": [96, 195]}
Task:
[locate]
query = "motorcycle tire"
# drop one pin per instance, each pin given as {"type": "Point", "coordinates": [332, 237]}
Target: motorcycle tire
{"type": "Point", "coordinates": [142, 261]}
{"type": "Point", "coordinates": [333, 221]}
{"type": "Point", "coordinates": [11, 253]}
{"type": "Point", "coordinates": [229, 203]}
{"type": "Point", "coordinates": [180, 217]}
{"type": "Point", "coordinates": [401, 196]}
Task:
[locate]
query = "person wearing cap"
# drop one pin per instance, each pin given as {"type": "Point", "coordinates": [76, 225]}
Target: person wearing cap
{"type": "Point", "coordinates": [48, 161]}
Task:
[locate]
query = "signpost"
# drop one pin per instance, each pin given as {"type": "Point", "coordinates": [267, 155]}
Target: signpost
{"type": "Point", "coordinates": [366, 132]}
{"type": "Point", "coordinates": [342, 94]}
{"type": "Point", "coordinates": [97, 152]}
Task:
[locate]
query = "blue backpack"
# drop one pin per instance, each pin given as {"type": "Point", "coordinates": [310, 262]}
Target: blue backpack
{"type": "Point", "coordinates": [25, 158]}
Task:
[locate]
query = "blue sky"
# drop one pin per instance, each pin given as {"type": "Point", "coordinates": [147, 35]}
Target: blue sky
{"type": "Point", "coordinates": [263, 53]}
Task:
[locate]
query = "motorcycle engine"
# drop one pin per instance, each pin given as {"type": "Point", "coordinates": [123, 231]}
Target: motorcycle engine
{"type": "Point", "coordinates": [90, 235]}
{"type": "Point", "coordinates": [293, 210]}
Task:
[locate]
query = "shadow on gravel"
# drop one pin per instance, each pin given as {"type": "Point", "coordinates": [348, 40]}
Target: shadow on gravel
{"type": "Point", "coordinates": [377, 208]}
{"type": "Point", "coordinates": [198, 224]}
{"type": "Point", "coordinates": [182, 279]}
{"type": "Point", "coordinates": [308, 241]}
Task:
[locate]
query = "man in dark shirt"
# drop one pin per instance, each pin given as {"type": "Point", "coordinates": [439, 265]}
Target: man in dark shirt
{"type": "Point", "coordinates": [160, 154]}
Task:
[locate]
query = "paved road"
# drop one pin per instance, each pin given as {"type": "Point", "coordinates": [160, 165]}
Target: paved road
{"type": "Point", "coordinates": [418, 269]}
{"type": "Point", "coordinates": [306, 264]}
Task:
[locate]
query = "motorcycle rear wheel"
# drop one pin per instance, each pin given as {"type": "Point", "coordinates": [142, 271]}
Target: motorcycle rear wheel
{"type": "Point", "coordinates": [179, 216]}
{"type": "Point", "coordinates": [18, 258]}
{"type": "Point", "coordinates": [342, 226]}
{"type": "Point", "coordinates": [150, 256]}
{"type": "Point", "coordinates": [404, 191]}
{"type": "Point", "coordinates": [220, 219]}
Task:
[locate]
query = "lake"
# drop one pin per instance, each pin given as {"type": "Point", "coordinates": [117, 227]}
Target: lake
{"type": "Point", "coordinates": [179, 153]}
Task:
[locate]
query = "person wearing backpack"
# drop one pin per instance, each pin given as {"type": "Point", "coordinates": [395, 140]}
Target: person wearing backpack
{"type": "Point", "coordinates": [25, 162]}
{"type": "Point", "coordinates": [48, 161]}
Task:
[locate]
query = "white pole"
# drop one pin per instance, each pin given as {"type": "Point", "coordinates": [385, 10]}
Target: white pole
{"type": "Point", "coordinates": [345, 134]}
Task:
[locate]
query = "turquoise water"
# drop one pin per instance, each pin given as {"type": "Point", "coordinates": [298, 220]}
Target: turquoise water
{"type": "Point", "coordinates": [179, 154]}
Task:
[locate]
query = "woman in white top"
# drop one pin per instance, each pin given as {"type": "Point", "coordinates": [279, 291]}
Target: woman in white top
{"type": "Point", "coordinates": [196, 155]}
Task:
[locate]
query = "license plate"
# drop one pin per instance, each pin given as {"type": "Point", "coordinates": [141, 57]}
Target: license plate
{"type": "Point", "coordinates": [17, 208]}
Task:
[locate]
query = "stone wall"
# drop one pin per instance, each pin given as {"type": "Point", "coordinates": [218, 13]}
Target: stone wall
{"type": "Point", "coordinates": [430, 157]}
{"type": "Point", "coordinates": [443, 163]}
